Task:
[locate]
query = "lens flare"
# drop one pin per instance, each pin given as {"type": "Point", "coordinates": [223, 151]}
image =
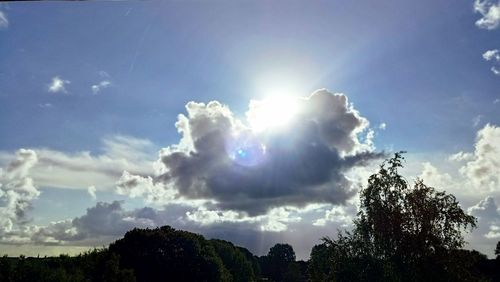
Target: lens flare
{"type": "Point", "coordinates": [245, 150]}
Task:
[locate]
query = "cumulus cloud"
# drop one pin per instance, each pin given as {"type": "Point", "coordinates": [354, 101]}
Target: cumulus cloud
{"type": "Point", "coordinates": [474, 177]}
{"type": "Point", "coordinates": [102, 223]}
{"type": "Point", "coordinates": [490, 13]}
{"type": "Point", "coordinates": [143, 187]}
{"type": "Point", "coordinates": [476, 173]}
{"type": "Point", "coordinates": [106, 222]}
{"type": "Point", "coordinates": [58, 85]}
{"type": "Point", "coordinates": [16, 190]}
{"type": "Point", "coordinates": [79, 170]}
{"type": "Point", "coordinates": [484, 169]}
{"type": "Point", "coordinates": [4, 22]}
{"type": "Point", "coordinates": [220, 158]}
{"type": "Point", "coordinates": [488, 232]}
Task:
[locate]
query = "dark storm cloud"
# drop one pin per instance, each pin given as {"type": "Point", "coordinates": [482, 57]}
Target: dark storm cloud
{"type": "Point", "coordinates": [221, 159]}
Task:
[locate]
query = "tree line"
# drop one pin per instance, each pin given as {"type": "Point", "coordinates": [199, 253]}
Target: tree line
{"type": "Point", "coordinates": [402, 232]}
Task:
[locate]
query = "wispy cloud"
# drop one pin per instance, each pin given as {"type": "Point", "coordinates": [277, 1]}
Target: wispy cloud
{"type": "Point", "coordinates": [4, 22]}
{"type": "Point", "coordinates": [79, 170]}
{"type": "Point", "coordinates": [493, 56]}
{"type": "Point", "coordinates": [91, 190]}
{"type": "Point", "coordinates": [104, 83]}
{"type": "Point", "coordinates": [96, 88]}
{"type": "Point", "coordinates": [58, 85]}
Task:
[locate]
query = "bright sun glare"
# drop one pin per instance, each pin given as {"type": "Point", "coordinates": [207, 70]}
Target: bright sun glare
{"type": "Point", "coordinates": [271, 112]}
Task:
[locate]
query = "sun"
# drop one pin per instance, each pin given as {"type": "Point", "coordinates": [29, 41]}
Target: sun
{"type": "Point", "coordinates": [271, 112]}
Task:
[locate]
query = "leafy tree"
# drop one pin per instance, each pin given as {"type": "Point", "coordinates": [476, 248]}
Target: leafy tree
{"type": "Point", "coordinates": [171, 254]}
{"type": "Point", "coordinates": [277, 261]}
{"type": "Point", "coordinates": [234, 260]}
{"type": "Point", "coordinates": [401, 232]}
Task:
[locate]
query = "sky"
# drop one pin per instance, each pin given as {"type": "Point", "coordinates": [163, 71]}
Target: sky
{"type": "Point", "coordinates": [251, 121]}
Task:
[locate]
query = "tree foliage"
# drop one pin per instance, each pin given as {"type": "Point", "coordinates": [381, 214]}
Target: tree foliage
{"type": "Point", "coordinates": [166, 252]}
{"type": "Point", "coordinates": [402, 232]}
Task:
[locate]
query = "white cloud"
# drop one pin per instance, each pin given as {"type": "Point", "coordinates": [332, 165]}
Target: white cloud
{"type": "Point", "coordinates": [343, 215]}
{"type": "Point", "coordinates": [490, 12]}
{"type": "Point", "coordinates": [477, 120]}
{"type": "Point", "coordinates": [495, 70]}
{"type": "Point", "coordinates": [491, 55]}
{"type": "Point", "coordinates": [382, 126]}
{"type": "Point", "coordinates": [45, 105]}
{"type": "Point", "coordinates": [58, 85]}
{"type": "Point", "coordinates": [91, 190]}
{"type": "Point", "coordinates": [484, 169]}
{"type": "Point", "coordinates": [461, 156]}
{"type": "Point", "coordinates": [303, 163]}
{"type": "Point", "coordinates": [96, 88]}
{"type": "Point", "coordinates": [4, 22]}
{"type": "Point", "coordinates": [80, 170]}
{"type": "Point", "coordinates": [16, 190]}
{"type": "Point", "coordinates": [494, 56]}
{"type": "Point", "coordinates": [138, 186]}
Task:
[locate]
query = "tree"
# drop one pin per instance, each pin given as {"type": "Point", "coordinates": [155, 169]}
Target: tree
{"type": "Point", "coordinates": [277, 261]}
{"type": "Point", "coordinates": [171, 254]}
{"type": "Point", "coordinates": [400, 231]}
{"type": "Point", "coordinates": [234, 260]}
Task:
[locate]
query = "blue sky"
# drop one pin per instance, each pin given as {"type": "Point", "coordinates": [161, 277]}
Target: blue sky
{"type": "Point", "coordinates": [416, 66]}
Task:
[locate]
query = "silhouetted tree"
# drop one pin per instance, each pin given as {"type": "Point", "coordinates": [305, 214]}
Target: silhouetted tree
{"type": "Point", "coordinates": [169, 253]}
{"type": "Point", "coordinates": [277, 261]}
{"type": "Point", "coordinates": [234, 260]}
{"type": "Point", "coordinates": [401, 232]}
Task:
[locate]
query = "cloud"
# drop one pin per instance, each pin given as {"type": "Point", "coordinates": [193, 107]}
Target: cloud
{"type": "Point", "coordinates": [492, 55]}
{"type": "Point", "coordinates": [102, 223]}
{"type": "Point", "coordinates": [96, 88]}
{"type": "Point", "coordinates": [136, 186]}
{"type": "Point", "coordinates": [490, 14]}
{"type": "Point", "coordinates": [484, 169]}
{"type": "Point", "coordinates": [461, 156]}
{"type": "Point", "coordinates": [4, 22]}
{"type": "Point", "coordinates": [106, 222]}
{"type": "Point", "coordinates": [382, 126]}
{"type": "Point", "coordinates": [16, 190]}
{"type": "Point", "coordinates": [488, 232]}
{"type": "Point", "coordinates": [45, 105]}
{"type": "Point", "coordinates": [477, 120]}
{"type": "Point", "coordinates": [474, 174]}
{"type": "Point", "coordinates": [58, 85]}
{"type": "Point", "coordinates": [79, 170]}
{"type": "Point", "coordinates": [91, 190]}
{"type": "Point", "coordinates": [219, 158]}
{"type": "Point", "coordinates": [495, 70]}
{"type": "Point", "coordinates": [474, 178]}
{"type": "Point", "coordinates": [343, 216]}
